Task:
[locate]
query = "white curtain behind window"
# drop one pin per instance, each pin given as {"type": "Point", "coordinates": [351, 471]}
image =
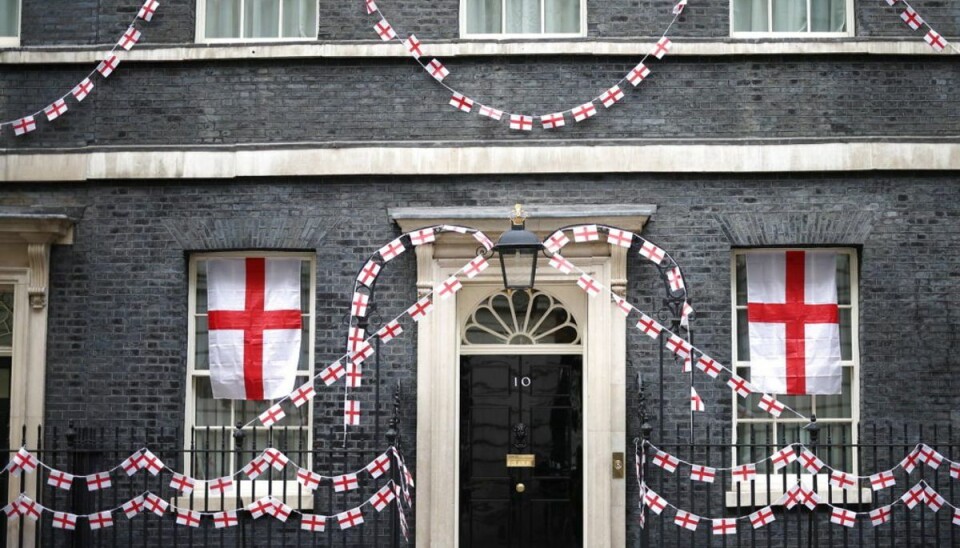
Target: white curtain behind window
{"type": "Point", "coordinates": [222, 19]}
{"type": "Point", "coordinates": [9, 17]}
{"type": "Point", "coordinates": [789, 15]}
{"type": "Point", "coordinates": [261, 18]}
{"type": "Point", "coordinates": [561, 16]}
{"type": "Point", "coordinates": [523, 16]}
{"type": "Point", "coordinates": [483, 16]}
{"type": "Point", "coordinates": [750, 16]}
{"type": "Point", "coordinates": [828, 15]}
{"type": "Point", "coordinates": [299, 19]}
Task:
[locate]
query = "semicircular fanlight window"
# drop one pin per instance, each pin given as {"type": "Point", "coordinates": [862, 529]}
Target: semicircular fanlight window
{"type": "Point", "coordinates": [521, 318]}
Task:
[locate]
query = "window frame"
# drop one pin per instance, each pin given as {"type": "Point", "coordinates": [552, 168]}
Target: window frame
{"type": "Point", "coordinates": [201, 37]}
{"type": "Point", "coordinates": [14, 41]}
{"type": "Point", "coordinates": [850, 31]}
{"type": "Point", "coordinates": [466, 35]}
{"type": "Point", "coordinates": [259, 487]}
{"type": "Point", "coordinates": [853, 363]}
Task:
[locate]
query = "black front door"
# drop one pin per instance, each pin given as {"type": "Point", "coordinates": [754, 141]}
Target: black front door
{"type": "Point", "coordinates": [521, 405]}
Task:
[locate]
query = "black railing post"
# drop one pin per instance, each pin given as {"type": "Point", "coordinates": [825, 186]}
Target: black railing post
{"type": "Point", "coordinates": [814, 430]}
{"type": "Point", "coordinates": [393, 439]}
{"type": "Point", "coordinates": [238, 436]}
{"type": "Point", "coordinates": [646, 430]}
{"type": "Point", "coordinates": [73, 465]}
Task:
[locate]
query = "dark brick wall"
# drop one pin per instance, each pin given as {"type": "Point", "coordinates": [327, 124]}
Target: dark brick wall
{"type": "Point", "coordinates": [269, 101]}
{"type": "Point", "coordinates": [117, 325]}
{"type": "Point", "coordinates": [59, 22]}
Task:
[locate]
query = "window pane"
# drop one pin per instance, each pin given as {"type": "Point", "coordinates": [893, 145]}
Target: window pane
{"type": "Point", "coordinates": [743, 336]}
{"type": "Point", "coordinates": [835, 441]}
{"type": "Point", "coordinates": [249, 410]}
{"type": "Point", "coordinates": [222, 19]}
{"type": "Point", "coordinates": [201, 287]}
{"type": "Point", "coordinates": [305, 286]}
{"type": "Point", "coordinates": [202, 358]}
{"type": "Point", "coordinates": [754, 442]}
{"type": "Point", "coordinates": [483, 16]}
{"type": "Point", "coordinates": [837, 407]}
{"type": "Point", "coordinates": [261, 18]}
{"type": "Point", "coordinates": [304, 345]}
{"type": "Point", "coordinates": [561, 16]}
{"type": "Point", "coordinates": [802, 404]}
{"type": "Point", "coordinates": [9, 17]}
{"type": "Point", "coordinates": [789, 15]}
{"type": "Point", "coordinates": [523, 16]}
{"type": "Point", "coordinates": [741, 280]}
{"type": "Point", "coordinates": [211, 457]}
{"type": "Point", "coordinates": [750, 16]}
{"type": "Point", "coordinates": [747, 407]}
{"type": "Point", "coordinates": [846, 334]}
{"type": "Point", "coordinates": [828, 15]}
{"type": "Point", "coordinates": [210, 412]}
{"type": "Point", "coordinates": [300, 19]}
{"type": "Point", "coordinates": [6, 318]}
{"type": "Point", "coordinates": [843, 278]}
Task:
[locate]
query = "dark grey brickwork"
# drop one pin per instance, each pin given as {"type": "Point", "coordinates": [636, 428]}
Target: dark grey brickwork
{"type": "Point", "coordinates": [60, 22]}
{"type": "Point", "coordinates": [117, 326]}
{"type": "Point", "coordinates": [269, 101]}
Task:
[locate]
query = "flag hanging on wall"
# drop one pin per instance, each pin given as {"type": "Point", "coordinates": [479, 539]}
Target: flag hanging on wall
{"type": "Point", "coordinates": [254, 322]}
{"type": "Point", "coordinates": [794, 322]}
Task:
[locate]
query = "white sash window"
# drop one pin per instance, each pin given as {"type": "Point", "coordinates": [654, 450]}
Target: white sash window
{"type": "Point", "coordinates": [801, 18]}
{"type": "Point", "coordinates": [262, 20]}
{"type": "Point", "coordinates": [9, 22]}
{"type": "Point", "coordinates": [485, 18]}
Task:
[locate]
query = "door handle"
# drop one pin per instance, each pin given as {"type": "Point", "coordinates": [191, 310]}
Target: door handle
{"type": "Point", "coordinates": [521, 488]}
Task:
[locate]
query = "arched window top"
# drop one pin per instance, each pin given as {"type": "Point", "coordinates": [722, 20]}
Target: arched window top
{"type": "Point", "coordinates": [521, 318]}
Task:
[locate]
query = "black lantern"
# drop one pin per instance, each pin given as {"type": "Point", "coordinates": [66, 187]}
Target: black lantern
{"type": "Point", "coordinates": [518, 249]}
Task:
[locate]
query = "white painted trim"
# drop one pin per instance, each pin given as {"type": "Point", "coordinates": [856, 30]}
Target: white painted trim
{"type": "Point", "coordinates": [498, 46]}
{"type": "Point", "coordinates": [232, 162]}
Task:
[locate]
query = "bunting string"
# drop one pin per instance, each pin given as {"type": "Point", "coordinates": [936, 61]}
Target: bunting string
{"type": "Point", "coordinates": [144, 459]}
{"type": "Point", "coordinates": [105, 68]}
{"type": "Point", "coordinates": [800, 453]}
{"type": "Point", "coordinates": [921, 493]}
{"type": "Point", "coordinates": [520, 121]}
{"type": "Point", "coordinates": [912, 19]}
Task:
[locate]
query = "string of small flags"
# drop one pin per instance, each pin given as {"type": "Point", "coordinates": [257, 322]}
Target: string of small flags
{"type": "Point", "coordinates": [808, 460]}
{"type": "Point", "coordinates": [105, 68]}
{"type": "Point", "coordinates": [913, 20]}
{"type": "Point", "coordinates": [519, 121]}
{"type": "Point", "coordinates": [24, 461]}
{"type": "Point", "coordinates": [24, 506]}
{"type": "Point", "coordinates": [921, 492]}
{"type": "Point", "coordinates": [673, 342]}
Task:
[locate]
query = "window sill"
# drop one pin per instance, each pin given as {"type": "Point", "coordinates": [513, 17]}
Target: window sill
{"type": "Point", "coordinates": [756, 494]}
{"type": "Point", "coordinates": [250, 491]}
{"type": "Point", "coordinates": [463, 48]}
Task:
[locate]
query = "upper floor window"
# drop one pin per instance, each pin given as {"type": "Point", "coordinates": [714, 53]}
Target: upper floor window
{"type": "Point", "coordinates": [759, 434]}
{"type": "Point", "coordinates": [522, 17]}
{"type": "Point", "coordinates": [792, 17]}
{"type": "Point", "coordinates": [224, 20]}
{"type": "Point", "coordinates": [9, 22]}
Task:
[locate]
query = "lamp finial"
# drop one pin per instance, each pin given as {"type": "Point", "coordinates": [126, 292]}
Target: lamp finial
{"type": "Point", "coordinates": [519, 215]}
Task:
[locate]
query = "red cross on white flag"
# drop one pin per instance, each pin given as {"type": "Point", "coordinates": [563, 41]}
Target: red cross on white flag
{"type": "Point", "coordinates": [686, 520]}
{"type": "Point", "coordinates": [783, 457]}
{"type": "Point", "coordinates": [652, 252]}
{"type": "Point", "coordinates": [382, 498]}
{"type": "Point", "coordinates": [184, 484]}
{"type": "Point", "coordinates": [556, 241]}
{"type": "Point", "coordinates": [354, 375]}
{"type": "Point", "coordinates": [934, 500]}
{"type": "Point", "coordinates": [678, 346]}
{"type": "Point", "coordinates": [724, 526]}
{"type": "Point", "coordinates": [622, 238]}
{"type": "Point", "coordinates": [708, 366]}
{"type": "Point", "coordinates": [332, 373]}
{"type": "Point", "coordinates": [586, 233]}
{"type": "Point", "coordinates": [95, 482]}
{"type": "Point", "coordinates": [914, 496]}
{"type": "Point", "coordinates": [60, 480]}
{"type": "Point", "coordinates": [771, 405]}
{"type": "Point", "coordinates": [461, 102]}
{"type": "Point", "coordinates": [912, 18]}
{"type": "Point", "coordinates": [350, 518]}
{"type": "Point", "coordinates": [392, 250]}
{"type": "Point", "coordinates": [810, 462]}
{"type": "Point", "coordinates": [675, 277]}
{"type": "Point", "coordinates": [369, 273]}
{"type": "Point", "coordinates": [275, 458]}
{"type": "Point", "coordinates": [449, 287]}
{"type": "Point", "coordinates": [346, 482]}
{"type": "Point", "coordinates": [133, 507]}
{"type": "Point", "coordinates": [622, 304]}
{"type": "Point", "coordinates": [390, 331]}
{"type": "Point", "coordinates": [552, 121]}
{"type": "Point", "coordinates": [705, 474]}
{"type": "Point", "coordinates": [741, 386]}
{"type": "Point", "coordinates": [420, 309]}
{"type": "Point", "coordinates": [308, 479]}
{"type": "Point", "coordinates": [475, 267]}
{"type": "Point", "coordinates": [930, 456]}
{"type": "Point", "coordinates": [281, 511]}
{"type": "Point", "coordinates": [696, 402]}
{"type": "Point", "coordinates": [190, 518]}
{"type": "Point", "coordinates": [491, 112]}
{"type": "Point", "coordinates": [761, 517]}
{"type": "Point", "coordinates": [351, 413]}
{"type": "Point", "coordinates": [611, 96]}
{"type": "Point", "coordinates": [371, 6]}
{"type": "Point", "coordinates": [638, 74]}
{"type": "Point", "coordinates": [743, 473]}
{"type": "Point", "coordinates": [108, 65]}
{"type": "Point", "coordinates": [649, 326]}
{"type": "Point", "coordinates": [589, 285]}
{"type": "Point", "coordinates": [843, 480]}
{"type": "Point", "coordinates": [521, 122]}
{"type": "Point", "coordinates": [794, 322]}
{"type": "Point", "coordinates": [426, 235]}
{"type": "Point", "coordinates": [584, 111]}
{"type": "Point", "coordinates": [24, 125]}
{"type": "Point", "coordinates": [303, 394]}
{"type": "Point", "coordinates": [839, 516]}
{"type": "Point", "coordinates": [313, 522]}
{"type": "Point", "coordinates": [413, 46]}
{"type": "Point", "coordinates": [82, 89]}
{"type": "Point", "coordinates": [384, 30]}
{"type": "Point", "coordinates": [666, 461]}
{"type": "Point", "coordinates": [378, 466]}
{"type": "Point", "coordinates": [882, 480]}
{"type": "Point", "coordinates": [54, 111]}
{"type": "Point", "coordinates": [662, 48]}
{"type": "Point", "coordinates": [63, 520]}
{"type": "Point", "coordinates": [882, 515]}
{"type": "Point", "coordinates": [100, 520]}
{"type": "Point", "coordinates": [225, 519]}
{"type": "Point", "coordinates": [359, 304]}
{"type": "Point", "coordinates": [437, 70]}
{"type": "Point", "coordinates": [254, 468]}
{"type": "Point", "coordinates": [149, 8]}
{"type": "Point", "coordinates": [129, 38]}
{"type": "Point", "coordinates": [261, 507]}
{"type": "Point", "coordinates": [560, 263]}
{"type": "Point", "coordinates": [935, 41]}
{"type": "Point", "coordinates": [254, 327]}
{"type": "Point", "coordinates": [909, 463]}
{"type": "Point", "coordinates": [156, 504]}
